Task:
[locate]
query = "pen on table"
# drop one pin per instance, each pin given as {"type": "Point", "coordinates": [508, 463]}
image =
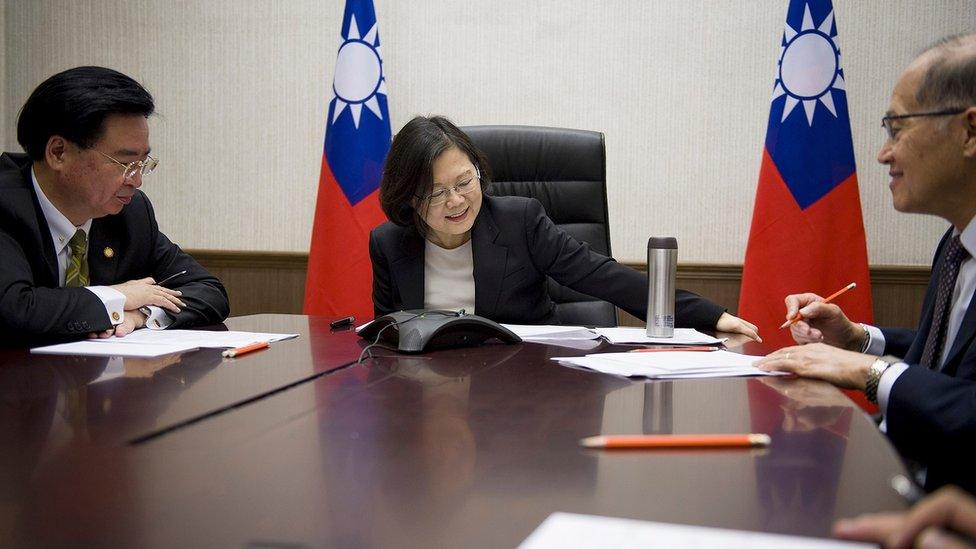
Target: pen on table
{"type": "Point", "coordinates": [231, 353]}
{"type": "Point", "coordinates": [171, 277]}
{"type": "Point", "coordinates": [676, 441]}
{"type": "Point", "coordinates": [340, 322]}
{"type": "Point", "coordinates": [798, 317]}
{"type": "Point", "coordinates": [676, 348]}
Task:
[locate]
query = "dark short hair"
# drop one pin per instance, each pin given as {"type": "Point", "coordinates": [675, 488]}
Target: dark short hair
{"type": "Point", "coordinates": [950, 79]}
{"type": "Point", "coordinates": [407, 172]}
{"type": "Point", "coordinates": [74, 105]}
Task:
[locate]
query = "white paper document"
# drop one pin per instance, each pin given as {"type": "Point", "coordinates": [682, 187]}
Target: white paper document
{"type": "Point", "coordinates": [669, 364]}
{"type": "Point", "coordinates": [682, 336]}
{"type": "Point", "coordinates": [573, 337]}
{"type": "Point", "coordinates": [200, 338]}
{"type": "Point", "coordinates": [530, 332]}
{"type": "Point", "coordinates": [115, 346]}
{"type": "Point", "coordinates": [570, 530]}
{"type": "Point", "coordinates": [147, 343]}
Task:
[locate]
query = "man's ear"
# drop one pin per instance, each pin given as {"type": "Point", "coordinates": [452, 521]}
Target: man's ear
{"type": "Point", "coordinates": [969, 126]}
{"type": "Point", "coordinates": [54, 152]}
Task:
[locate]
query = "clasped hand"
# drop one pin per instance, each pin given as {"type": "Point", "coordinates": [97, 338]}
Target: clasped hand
{"type": "Point", "coordinates": [143, 292]}
{"type": "Point", "coordinates": [829, 345]}
{"type": "Point", "coordinates": [822, 322]}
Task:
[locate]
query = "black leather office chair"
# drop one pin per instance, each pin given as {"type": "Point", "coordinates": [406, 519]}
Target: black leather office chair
{"type": "Point", "coordinates": [566, 170]}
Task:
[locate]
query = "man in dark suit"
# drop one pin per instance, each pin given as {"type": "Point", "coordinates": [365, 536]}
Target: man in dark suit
{"type": "Point", "coordinates": [81, 251]}
{"type": "Point", "coordinates": [926, 386]}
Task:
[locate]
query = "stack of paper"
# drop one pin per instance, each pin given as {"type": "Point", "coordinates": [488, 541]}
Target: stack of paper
{"type": "Point", "coordinates": [532, 331]}
{"type": "Point", "coordinates": [576, 337]}
{"type": "Point", "coordinates": [682, 336]}
{"type": "Point", "coordinates": [669, 364]}
{"type": "Point", "coordinates": [151, 343]}
{"type": "Point", "coordinates": [570, 530]}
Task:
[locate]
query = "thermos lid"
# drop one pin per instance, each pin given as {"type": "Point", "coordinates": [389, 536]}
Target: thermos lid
{"type": "Point", "coordinates": [662, 243]}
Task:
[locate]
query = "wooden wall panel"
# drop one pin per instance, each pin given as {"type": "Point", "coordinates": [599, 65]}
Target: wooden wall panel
{"type": "Point", "coordinates": [274, 282]}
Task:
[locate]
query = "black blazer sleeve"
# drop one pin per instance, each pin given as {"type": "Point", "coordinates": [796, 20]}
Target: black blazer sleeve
{"type": "Point", "coordinates": [384, 300]}
{"type": "Point", "coordinates": [28, 309]}
{"type": "Point", "coordinates": [898, 340]}
{"type": "Point", "coordinates": [205, 297]}
{"type": "Point", "coordinates": [931, 418]}
{"type": "Point", "coordinates": [573, 264]}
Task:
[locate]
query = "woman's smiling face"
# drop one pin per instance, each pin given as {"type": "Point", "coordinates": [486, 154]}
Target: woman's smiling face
{"type": "Point", "coordinates": [450, 221]}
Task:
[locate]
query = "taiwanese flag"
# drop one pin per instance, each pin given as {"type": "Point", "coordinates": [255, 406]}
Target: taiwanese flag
{"type": "Point", "coordinates": [807, 232]}
{"type": "Point", "coordinates": [357, 138]}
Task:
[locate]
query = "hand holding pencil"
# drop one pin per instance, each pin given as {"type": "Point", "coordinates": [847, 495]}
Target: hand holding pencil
{"type": "Point", "coordinates": [821, 321]}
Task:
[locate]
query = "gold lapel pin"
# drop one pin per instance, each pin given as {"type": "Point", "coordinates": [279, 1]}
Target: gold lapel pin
{"type": "Point", "coordinates": [109, 252]}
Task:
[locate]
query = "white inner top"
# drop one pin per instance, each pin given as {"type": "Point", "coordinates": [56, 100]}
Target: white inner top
{"type": "Point", "coordinates": [449, 278]}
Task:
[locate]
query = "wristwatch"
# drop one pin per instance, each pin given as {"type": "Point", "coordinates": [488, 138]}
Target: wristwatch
{"type": "Point", "coordinates": [874, 376]}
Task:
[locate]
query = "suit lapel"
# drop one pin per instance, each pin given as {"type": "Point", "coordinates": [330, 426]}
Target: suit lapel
{"type": "Point", "coordinates": [42, 230]}
{"type": "Point", "coordinates": [408, 271]}
{"type": "Point", "coordinates": [104, 247]}
{"type": "Point", "coordinates": [490, 258]}
{"type": "Point", "coordinates": [914, 354]}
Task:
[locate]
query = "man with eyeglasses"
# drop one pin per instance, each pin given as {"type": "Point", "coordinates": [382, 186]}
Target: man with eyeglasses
{"type": "Point", "coordinates": [80, 250]}
{"type": "Point", "coordinates": [925, 384]}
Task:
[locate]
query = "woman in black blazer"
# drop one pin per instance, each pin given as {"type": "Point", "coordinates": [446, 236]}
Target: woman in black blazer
{"type": "Point", "coordinates": [448, 245]}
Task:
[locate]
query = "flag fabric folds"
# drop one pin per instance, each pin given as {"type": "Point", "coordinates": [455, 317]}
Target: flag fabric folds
{"type": "Point", "coordinates": [357, 139]}
{"type": "Point", "coordinates": [807, 230]}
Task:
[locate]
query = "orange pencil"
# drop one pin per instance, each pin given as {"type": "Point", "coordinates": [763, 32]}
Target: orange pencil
{"type": "Point", "coordinates": [798, 317]}
{"type": "Point", "coordinates": [231, 353]}
{"type": "Point", "coordinates": [676, 441]}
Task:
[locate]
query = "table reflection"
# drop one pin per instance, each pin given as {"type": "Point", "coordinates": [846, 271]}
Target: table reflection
{"type": "Point", "coordinates": [799, 476]}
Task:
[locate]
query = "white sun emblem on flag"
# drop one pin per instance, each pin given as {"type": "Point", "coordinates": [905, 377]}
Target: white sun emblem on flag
{"type": "Point", "coordinates": [358, 74]}
{"type": "Point", "coordinates": [809, 67]}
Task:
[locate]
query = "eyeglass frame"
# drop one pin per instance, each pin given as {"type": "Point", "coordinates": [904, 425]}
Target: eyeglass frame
{"type": "Point", "coordinates": [142, 167]}
{"type": "Point", "coordinates": [429, 199]}
{"type": "Point", "coordinates": [886, 120]}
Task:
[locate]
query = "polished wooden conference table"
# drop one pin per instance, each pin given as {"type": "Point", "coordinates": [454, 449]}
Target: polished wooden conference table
{"type": "Point", "coordinates": [299, 446]}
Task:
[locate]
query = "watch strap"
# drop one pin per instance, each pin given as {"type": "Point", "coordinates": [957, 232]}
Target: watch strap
{"type": "Point", "coordinates": [877, 370]}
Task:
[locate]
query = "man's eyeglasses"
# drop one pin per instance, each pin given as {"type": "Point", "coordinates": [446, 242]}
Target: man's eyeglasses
{"type": "Point", "coordinates": [144, 167]}
{"type": "Point", "coordinates": [440, 196]}
{"type": "Point", "coordinates": [893, 131]}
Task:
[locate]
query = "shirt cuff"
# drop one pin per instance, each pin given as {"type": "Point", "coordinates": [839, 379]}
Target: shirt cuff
{"type": "Point", "coordinates": [157, 319]}
{"type": "Point", "coordinates": [113, 300]}
{"type": "Point", "coordinates": [886, 382]}
{"type": "Point", "coordinates": [876, 341]}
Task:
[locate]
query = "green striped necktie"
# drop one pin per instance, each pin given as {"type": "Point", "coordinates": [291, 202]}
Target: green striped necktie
{"type": "Point", "coordinates": [76, 275]}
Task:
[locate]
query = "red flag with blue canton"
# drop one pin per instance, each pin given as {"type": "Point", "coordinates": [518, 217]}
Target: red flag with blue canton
{"type": "Point", "coordinates": [807, 230]}
{"type": "Point", "coordinates": [357, 138]}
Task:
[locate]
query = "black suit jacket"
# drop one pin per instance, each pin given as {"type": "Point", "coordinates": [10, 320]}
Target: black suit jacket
{"type": "Point", "coordinates": [515, 246]}
{"type": "Point", "coordinates": [33, 307]}
{"type": "Point", "coordinates": [931, 416]}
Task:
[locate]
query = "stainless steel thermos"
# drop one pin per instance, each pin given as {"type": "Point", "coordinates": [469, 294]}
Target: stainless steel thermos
{"type": "Point", "coordinates": [662, 261]}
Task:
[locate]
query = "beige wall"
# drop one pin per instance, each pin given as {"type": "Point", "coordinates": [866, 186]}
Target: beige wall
{"type": "Point", "coordinates": [681, 90]}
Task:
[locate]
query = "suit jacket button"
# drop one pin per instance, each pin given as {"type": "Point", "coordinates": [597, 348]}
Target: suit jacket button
{"type": "Point", "coordinates": [85, 325]}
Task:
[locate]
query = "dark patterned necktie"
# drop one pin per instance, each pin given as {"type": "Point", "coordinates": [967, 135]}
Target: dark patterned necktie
{"type": "Point", "coordinates": [76, 274]}
{"type": "Point", "coordinates": [954, 256]}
